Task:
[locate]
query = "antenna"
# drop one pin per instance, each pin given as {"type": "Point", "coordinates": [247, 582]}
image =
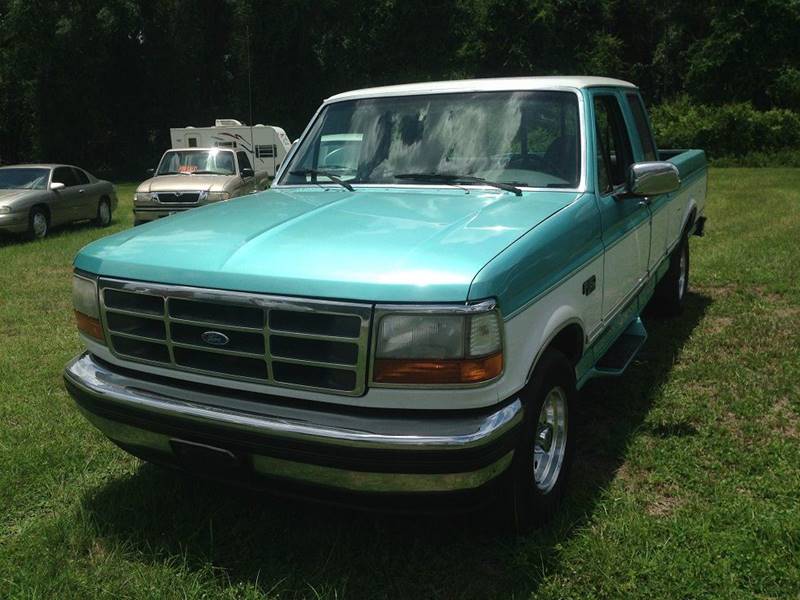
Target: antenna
{"type": "Point", "coordinates": [250, 88]}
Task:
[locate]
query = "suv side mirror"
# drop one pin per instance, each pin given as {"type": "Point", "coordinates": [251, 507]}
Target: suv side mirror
{"type": "Point", "coordinates": [56, 185]}
{"type": "Point", "coordinates": [653, 178]}
{"type": "Point", "coordinates": [150, 172]}
{"type": "Point", "coordinates": [245, 173]}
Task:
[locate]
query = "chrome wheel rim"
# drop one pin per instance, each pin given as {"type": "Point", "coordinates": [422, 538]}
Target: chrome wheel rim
{"type": "Point", "coordinates": [39, 225]}
{"type": "Point", "coordinates": [105, 214]}
{"type": "Point", "coordinates": [550, 440]}
{"type": "Point", "coordinates": [682, 273]}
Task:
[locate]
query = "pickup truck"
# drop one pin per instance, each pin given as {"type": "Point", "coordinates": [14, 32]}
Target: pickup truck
{"type": "Point", "coordinates": [191, 177]}
{"type": "Point", "coordinates": [411, 311]}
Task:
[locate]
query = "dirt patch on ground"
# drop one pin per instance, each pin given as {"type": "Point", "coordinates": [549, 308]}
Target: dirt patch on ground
{"type": "Point", "coordinates": [784, 420]}
{"type": "Point", "coordinates": [716, 325]}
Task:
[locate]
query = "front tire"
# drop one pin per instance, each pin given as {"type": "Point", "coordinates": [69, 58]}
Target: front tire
{"type": "Point", "coordinates": [103, 218]}
{"type": "Point", "coordinates": [543, 456]}
{"type": "Point", "coordinates": [38, 224]}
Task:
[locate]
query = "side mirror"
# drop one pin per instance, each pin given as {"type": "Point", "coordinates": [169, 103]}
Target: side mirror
{"type": "Point", "coordinates": [56, 185]}
{"type": "Point", "coordinates": [653, 178]}
{"type": "Point", "coordinates": [150, 172]}
{"type": "Point", "coordinates": [245, 173]}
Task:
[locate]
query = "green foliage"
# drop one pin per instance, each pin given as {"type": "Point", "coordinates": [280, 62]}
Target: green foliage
{"type": "Point", "coordinates": [100, 82]}
{"type": "Point", "coordinates": [731, 130]}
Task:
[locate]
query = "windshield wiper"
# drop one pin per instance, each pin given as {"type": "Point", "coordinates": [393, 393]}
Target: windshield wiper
{"type": "Point", "coordinates": [317, 173]}
{"type": "Point", "coordinates": [209, 173]}
{"type": "Point", "coordinates": [172, 173]}
{"type": "Point", "coordinates": [454, 178]}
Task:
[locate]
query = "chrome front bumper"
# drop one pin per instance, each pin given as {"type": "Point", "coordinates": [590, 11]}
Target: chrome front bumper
{"type": "Point", "coordinates": [354, 450]}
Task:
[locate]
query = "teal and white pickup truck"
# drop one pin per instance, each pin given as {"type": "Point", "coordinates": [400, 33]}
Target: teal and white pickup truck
{"type": "Point", "coordinates": [412, 308]}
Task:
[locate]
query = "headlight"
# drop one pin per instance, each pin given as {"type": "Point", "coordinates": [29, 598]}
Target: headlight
{"type": "Point", "coordinates": [439, 347]}
{"type": "Point", "coordinates": [87, 307]}
{"type": "Point", "coordinates": [143, 197]}
{"type": "Point", "coordinates": [4, 210]}
{"type": "Point", "coordinates": [217, 196]}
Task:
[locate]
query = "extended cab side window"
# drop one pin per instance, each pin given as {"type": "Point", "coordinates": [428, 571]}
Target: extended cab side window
{"type": "Point", "coordinates": [642, 126]}
{"type": "Point", "coordinates": [244, 162]}
{"type": "Point", "coordinates": [614, 154]}
{"type": "Point", "coordinates": [64, 175]}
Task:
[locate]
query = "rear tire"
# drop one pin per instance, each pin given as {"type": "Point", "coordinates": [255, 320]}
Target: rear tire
{"type": "Point", "coordinates": [38, 224]}
{"type": "Point", "coordinates": [543, 456]}
{"type": "Point", "coordinates": [670, 293]}
{"type": "Point", "coordinates": [103, 218]}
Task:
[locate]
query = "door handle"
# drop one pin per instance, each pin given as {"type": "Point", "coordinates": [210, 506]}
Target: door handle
{"type": "Point", "coordinates": [81, 191]}
{"type": "Point", "coordinates": [644, 202]}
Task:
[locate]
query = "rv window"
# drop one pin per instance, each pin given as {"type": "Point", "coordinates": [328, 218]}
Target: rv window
{"type": "Point", "coordinates": [192, 142]}
{"type": "Point", "coordinates": [266, 151]}
{"type": "Point", "coordinates": [244, 162]}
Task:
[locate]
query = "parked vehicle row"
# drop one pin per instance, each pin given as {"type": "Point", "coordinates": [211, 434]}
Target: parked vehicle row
{"type": "Point", "coordinates": [36, 197]}
{"type": "Point", "coordinates": [413, 306]}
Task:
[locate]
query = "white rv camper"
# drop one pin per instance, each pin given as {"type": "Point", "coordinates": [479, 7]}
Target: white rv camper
{"type": "Point", "coordinates": [266, 146]}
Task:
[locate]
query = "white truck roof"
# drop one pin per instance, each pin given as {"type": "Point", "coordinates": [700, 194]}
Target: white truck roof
{"type": "Point", "coordinates": [482, 85]}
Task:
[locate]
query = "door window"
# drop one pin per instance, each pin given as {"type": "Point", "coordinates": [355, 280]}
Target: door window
{"type": "Point", "coordinates": [81, 177]}
{"type": "Point", "coordinates": [244, 162]}
{"type": "Point", "coordinates": [614, 154]}
{"type": "Point", "coordinates": [642, 126]}
{"type": "Point", "coordinates": [64, 175]}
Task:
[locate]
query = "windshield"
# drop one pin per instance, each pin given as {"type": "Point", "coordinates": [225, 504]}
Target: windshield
{"type": "Point", "coordinates": [24, 179]}
{"type": "Point", "coordinates": [521, 138]}
{"type": "Point", "coordinates": [207, 162]}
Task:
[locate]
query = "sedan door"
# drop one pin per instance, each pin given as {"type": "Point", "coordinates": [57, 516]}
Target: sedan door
{"type": "Point", "coordinates": [89, 194]}
{"type": "Point", "coordinates": [67, 202]}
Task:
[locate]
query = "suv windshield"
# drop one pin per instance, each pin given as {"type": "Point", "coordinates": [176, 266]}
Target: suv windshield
{"type": "Point", "coordinates": [208, 162]}
{"type": "Point", "coordinates": [527, 139]}
{"type": "Point", "coordinates": [24, 179]}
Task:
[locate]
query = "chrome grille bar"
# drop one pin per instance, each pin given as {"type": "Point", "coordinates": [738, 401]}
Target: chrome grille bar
{"type": "Point", "coordinates": [322, 344]}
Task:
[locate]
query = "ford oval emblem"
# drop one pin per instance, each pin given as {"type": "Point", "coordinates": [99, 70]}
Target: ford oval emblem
{"type": "Point", "coordinates": [215, 338]}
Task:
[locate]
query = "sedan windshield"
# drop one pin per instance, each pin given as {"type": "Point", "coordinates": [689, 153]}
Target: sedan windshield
{"type": "Point", "coordinates": [24, 179]}
{"type": "Point", "coordinates": [523, 139]}
{"type": "Point", "coordinates": [198, 162]}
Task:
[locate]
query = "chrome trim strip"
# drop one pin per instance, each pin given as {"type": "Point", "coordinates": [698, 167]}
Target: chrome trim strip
{"type": "Point", "coordinates": [262, 302]}
{"type": "Point", "coordinates": [409, 433]}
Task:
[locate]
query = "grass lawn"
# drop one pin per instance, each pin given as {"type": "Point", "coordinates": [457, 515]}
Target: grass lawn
{"type": "Point", "coordinates": [687, 480]}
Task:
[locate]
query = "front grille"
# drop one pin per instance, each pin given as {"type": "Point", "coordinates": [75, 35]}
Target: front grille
{"type": "Point", "coordinates": [178, 197]}
{"type": "Point", "coordinates": [288, 342]}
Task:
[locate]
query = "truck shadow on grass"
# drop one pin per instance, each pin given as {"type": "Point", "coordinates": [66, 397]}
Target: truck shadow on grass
{"type": "Point", "coordinates": [298, 548]}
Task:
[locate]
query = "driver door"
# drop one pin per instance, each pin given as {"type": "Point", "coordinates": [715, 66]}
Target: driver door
{"type": "Point", "coordinates": [67, 203]}
{"type": "Point", "coordinates": [625, 220]}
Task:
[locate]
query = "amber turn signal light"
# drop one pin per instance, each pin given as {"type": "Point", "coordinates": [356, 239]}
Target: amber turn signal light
{"type": "Point", "coordinates": [89, 326]}
{"type": "Point", "coordinates": [437, 371]}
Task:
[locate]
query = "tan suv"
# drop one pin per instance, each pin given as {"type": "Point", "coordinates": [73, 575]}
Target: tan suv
{"type": "Point", "coordinates": [193, 177]}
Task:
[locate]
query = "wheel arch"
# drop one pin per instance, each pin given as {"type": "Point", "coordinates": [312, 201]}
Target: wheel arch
{"type": "Point", "coordinates": [568, 338]}
{"type": "Point", "coordinates": [44, 207]}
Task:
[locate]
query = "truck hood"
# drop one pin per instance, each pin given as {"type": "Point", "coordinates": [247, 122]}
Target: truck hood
{"type": "Point", "coordinates": [180, 183]}
{"type": "Point", "coordinates": [374, 244]}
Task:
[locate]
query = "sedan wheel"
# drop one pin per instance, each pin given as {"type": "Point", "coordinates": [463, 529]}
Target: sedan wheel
{"type": "Point", "coordinates": [103, 214]}
{"type": "Point", "coordinates": [38, 225]}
